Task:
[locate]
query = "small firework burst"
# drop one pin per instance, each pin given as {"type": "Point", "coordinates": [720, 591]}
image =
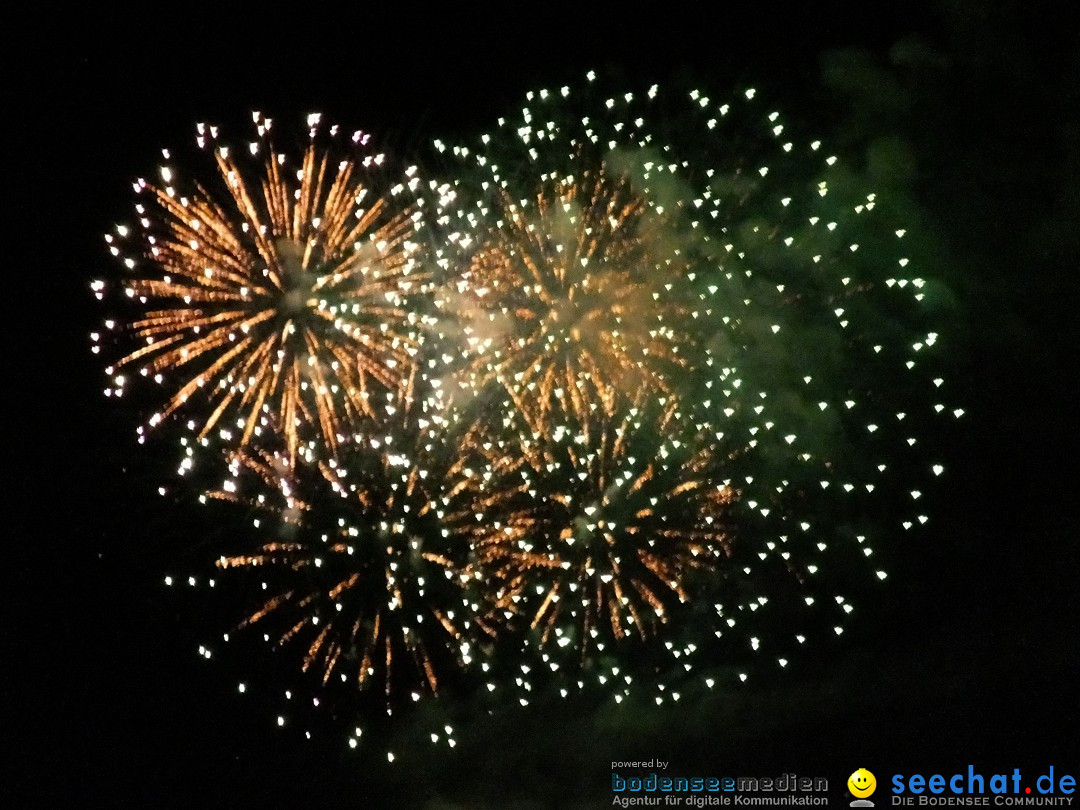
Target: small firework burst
{"type": "Point", "coordinates": [365, 569]}
{"type": "Point", "coordinates": [273, 289]}
{"type": "Point", "coordinates": [597, 529]}
{"type": "Point", "coordinates": [564, 285]}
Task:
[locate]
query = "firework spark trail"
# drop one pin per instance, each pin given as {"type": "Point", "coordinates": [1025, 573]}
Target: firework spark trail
{"type": "Point", "coordinates": [289, 295]}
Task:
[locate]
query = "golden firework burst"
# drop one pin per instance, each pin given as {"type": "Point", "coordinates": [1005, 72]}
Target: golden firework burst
{"type": "Point", "coordinates": [564, 300]}
{"type": "Point", "coordinates": [366, 569]}
{"type": "Point", "coordinates": [285, 294]}
{"type": "Point", "coordinates": [595, 528]}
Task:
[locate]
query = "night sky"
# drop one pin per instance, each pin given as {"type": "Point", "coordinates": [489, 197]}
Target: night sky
{"type": "Point", "coordinates": [969, 655]}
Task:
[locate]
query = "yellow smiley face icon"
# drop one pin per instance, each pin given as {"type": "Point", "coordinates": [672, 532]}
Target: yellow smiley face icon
{"type": "Point", "coordinates": [861, 783]}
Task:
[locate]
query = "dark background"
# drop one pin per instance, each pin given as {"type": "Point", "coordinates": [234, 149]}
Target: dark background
{"type": "Point", "coordinates": [971, 657]}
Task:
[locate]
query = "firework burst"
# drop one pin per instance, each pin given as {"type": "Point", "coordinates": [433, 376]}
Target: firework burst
{"type": "Point", "coordinates": [367, 571]}
{"type": "Point", "coordinates": [564, 283]}
{"type": "Point", "coordinates": [722, 269]}
{"type": "Point", "coordinates": [598, 529]}
{"type": "Point", "coordinates": [274, 290]}
{"type": "Point", "coordinates": [668, 390]}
